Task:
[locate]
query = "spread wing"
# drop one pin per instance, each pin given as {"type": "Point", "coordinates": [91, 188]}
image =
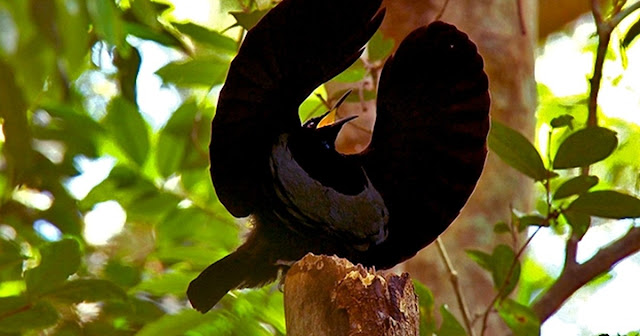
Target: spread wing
{"type": "Point", "coordinates": [429, 141]}
{"type": "Point", "coordinates": [296, 47]}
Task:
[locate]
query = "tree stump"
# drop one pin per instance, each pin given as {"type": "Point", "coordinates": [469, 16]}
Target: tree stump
{"type": "Point", "coordinates": [330, 296]}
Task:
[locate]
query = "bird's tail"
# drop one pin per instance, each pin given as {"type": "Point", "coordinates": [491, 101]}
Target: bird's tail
{"type": "Point", "coordinates": [237, 270]}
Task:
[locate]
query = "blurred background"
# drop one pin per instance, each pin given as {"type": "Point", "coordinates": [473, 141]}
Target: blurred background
{"type": "Point", "coordinates": [107, 211]}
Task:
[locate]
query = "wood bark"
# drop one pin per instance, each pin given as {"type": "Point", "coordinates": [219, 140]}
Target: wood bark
{"type": "Point", "coordinates": [330, 296]}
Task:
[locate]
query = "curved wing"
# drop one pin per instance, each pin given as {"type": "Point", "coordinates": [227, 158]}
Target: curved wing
{"type": "Point", "coordinates": [429, 141]}
{"type": "Point", "coordinates": [297, 46]}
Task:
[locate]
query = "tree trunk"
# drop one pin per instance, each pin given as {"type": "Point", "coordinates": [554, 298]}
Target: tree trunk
{"type": "Point", "coordinates": [330, 296]}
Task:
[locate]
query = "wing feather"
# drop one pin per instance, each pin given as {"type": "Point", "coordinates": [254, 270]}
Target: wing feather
{"type": "Point", "coordinates": [296, 47]}
{"type": "Point", "coordinates": [429, 141]}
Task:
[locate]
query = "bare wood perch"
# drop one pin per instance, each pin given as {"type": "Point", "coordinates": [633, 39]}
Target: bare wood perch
{"type": "Point", "coordinates": [330, 296]}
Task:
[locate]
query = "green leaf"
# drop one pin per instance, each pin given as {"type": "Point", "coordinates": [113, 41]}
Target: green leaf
{"type": "Point", "coordinates": [147, 33]}
{"type": "Point", "coordinates": [520, 319]}
{"type": "Point", "coordinates": [59, 260]}
{"type": "Point", "coordinates": [631, 34]}
{"type": "Point", "coordinates": [168, 283]}
{"type": "Point", "coordinates": [607, 204]}
{"type": "Point", "coordinates": [17, 314]}
{"type": "Point", "coordinates": [121, 274]}
{"type": "Point", "coordinates": [75, 36]}
{"type": "Point", "coordinates": [426, 304]}
{"type": "Point", "coordinates": [10, 260]}
{"type": "Point", "coordinates": [579, 222]}
{"type": "Point", "coordinates": [15, 127]}
{"type": "Point", "coordinates": [174, 142]}
{"type": "Point", "coordinates": [450, 325]}
{"type": "Point", "coordinates": [107, 21]}
{"type": "Point", "coordinates": [531, 220]}
{"type": "Point", "coordinates": [128, 129]}
{"type": "Point", "coordinates": [219, 42]}
{"type": "Point", "coordinates": [379, 47]}
{"type": "Point", "coordinates": [352, 74]}
{"type": "Point", "coordinates": [584, 147]}
{"type": "Point", "coordinates": [481, 258]}
{"type": "Point", "coordinates": [565, 120]}
{"type": "Point", "coordinates": [575, 186]}
{"type": "Point", "coordinates": [514, 149]}
{"type": "Point", "coordinates": [501, 227]}
{"type": "Point", "coordinates": [90, 290]}
{"type": "Point", "coordinates": [206, 71]}
{"type": "Point", "coordinates": [248, 20]}
{"type": "Point", "coordinates": [502, 260]}
{"type": "Point", "coordinates": [176, 324]}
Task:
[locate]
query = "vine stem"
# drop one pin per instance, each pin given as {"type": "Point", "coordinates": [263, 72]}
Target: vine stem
{"type": "Point", "coordinates": [485, 316]}
{"type": "Point", "coordinates": [453, 276]}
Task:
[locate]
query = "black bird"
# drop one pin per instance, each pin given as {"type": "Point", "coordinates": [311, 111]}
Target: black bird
{"type": "Point", "coordinates": [377, 208]}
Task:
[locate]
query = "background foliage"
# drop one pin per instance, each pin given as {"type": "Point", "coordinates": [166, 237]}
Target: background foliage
{"type": "Point", "coordinates": [70, 102]}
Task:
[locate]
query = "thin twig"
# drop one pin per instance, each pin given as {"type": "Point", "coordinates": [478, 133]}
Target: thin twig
{"type": "Point", "coordinates": [485, 316]}
{"type": "Point", "coordinates": [444, 6]}
{"type": "Point", "coordinates": [523, 28]}
{"type": "Point", "coordinates": [453, 275]}
{"type": "Point", "coordinates": [604, 29]}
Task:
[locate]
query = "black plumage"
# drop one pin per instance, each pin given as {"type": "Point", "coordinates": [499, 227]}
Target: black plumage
{"type": "Point", "coordinates": [377, 208]}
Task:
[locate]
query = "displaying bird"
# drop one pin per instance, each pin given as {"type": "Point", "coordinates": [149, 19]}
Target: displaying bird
{"type": "Point", "coordinates": [377, 208]}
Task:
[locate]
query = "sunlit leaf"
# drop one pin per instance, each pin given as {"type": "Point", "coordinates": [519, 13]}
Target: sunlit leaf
{"type": "Point", "coordinates": [89, 290]}
{"type": "Point", "coordinates": [174, 140]}
{"type": "Point", "coordinates": [514, 149]}
{"type": "Point", "coordinates": [519, 318]}
{"type": "Point", "coordinates": [248, 20]}
{"type": "Point", "coordinates": [426, 304]}
{"type": "Point", "coordinates": [167, 283]}
{"type": "Point", "coordinates": [147, 33]}
{"type": "Point", "coordinates": [379, 47]}
{"type": "Point", "coordinates": [208, 37]}
{"type": "Point", "coordinates": [129, 129]}
{"type": "Point", "coordinates": [584, 147]}
{"type": "Point", "coordinates": [177, 324]}
{"type": "Point", "coordinates": [59, 260]}
{"type": "Point", "coordinates": [450, 325]}
{"type": "Point", "coordinates": [17, 314]}
{"type": "Point", "coordinates": [575, 186]}
{"type": "Point", "coordinates": [106, 18]}
{"type": "Point", "coordinates": [354, 73]}
{"type": "Point", "coordinates": [122, 185]}
{"type": "Point", "coordinates": [207, 71]}
{"type": "Point", "coordinates": [607, 204]}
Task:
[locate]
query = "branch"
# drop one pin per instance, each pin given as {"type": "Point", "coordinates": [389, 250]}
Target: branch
{"type": "Point", "coordinates": [604, 28]}
{"type": "Point", "coordinates": [576, 275]}
{"type": "Point", "coordinates": [453, 275]}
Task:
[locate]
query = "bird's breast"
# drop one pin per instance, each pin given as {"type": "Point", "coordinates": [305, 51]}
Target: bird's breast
{"type": "Point", "coordinates": [308, 204]}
